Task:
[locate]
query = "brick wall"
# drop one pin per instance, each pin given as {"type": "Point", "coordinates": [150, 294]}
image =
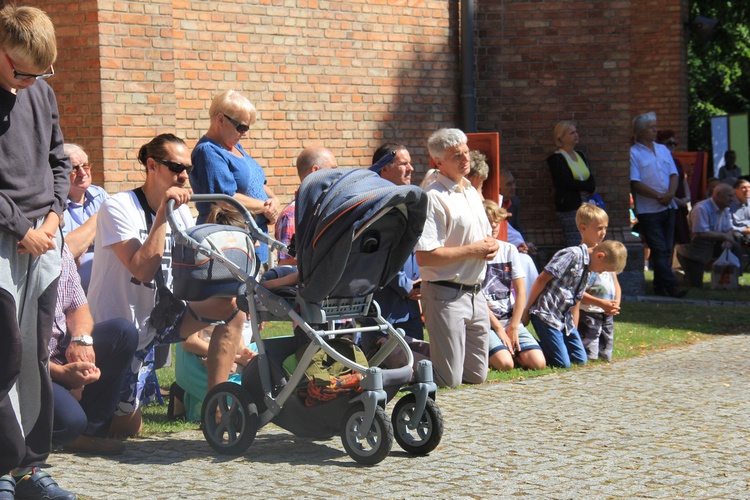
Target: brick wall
{"type": "Point", "coordinates": [353, 74]}
{"type": "Point", "coordinates": [348, 75]}
{"type": "Point", "coordinates": [598, 63]}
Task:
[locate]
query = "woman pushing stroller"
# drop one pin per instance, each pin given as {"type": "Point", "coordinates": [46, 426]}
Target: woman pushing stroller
{"type": "Point", "coordinates": [133, 259]}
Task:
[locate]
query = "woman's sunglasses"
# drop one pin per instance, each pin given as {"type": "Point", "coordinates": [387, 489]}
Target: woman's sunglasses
{"type": "Point", "coordinates": [174, 166]}
{"type": "Point", "coordinates": [240, 127]}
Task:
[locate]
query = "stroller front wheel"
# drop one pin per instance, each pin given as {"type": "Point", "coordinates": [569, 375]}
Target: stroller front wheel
{"type": "Point", "coordinates": [377, 441]}
{"type": "Point", "coordinates": [229, 418]}
{"type": "Point", "coordinates": [417, 435]}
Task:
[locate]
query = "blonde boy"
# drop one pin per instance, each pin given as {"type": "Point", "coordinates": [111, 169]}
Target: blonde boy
{"type": "Point", "coordinates": [511, 343]}
{"type": "Point", "coordinates": [601, 301]}
{"type": "Point", "coordinates": [556, 293]}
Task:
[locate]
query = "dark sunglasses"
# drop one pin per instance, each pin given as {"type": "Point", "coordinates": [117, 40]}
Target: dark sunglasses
{"type": "Point", "coordinates": [241, 128]}
{"type": "Point", "coordinates": [672, 143]}
{"type": "Point", "coordinates": [174, 166]}
{"type": "Point", "coordinates": [27, 76]}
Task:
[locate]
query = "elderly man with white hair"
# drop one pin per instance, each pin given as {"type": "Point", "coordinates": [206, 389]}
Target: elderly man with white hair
{"type": "Point", "coordinates": [452, 255]}
{"type": "Point", "coordinates": [84, 200]}
{"type": "Point", "coordinates": [653, 181]}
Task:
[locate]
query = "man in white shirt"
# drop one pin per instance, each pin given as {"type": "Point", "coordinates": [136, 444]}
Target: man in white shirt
{"type": "Point", "coordinates": [653, 181]}
{"type": "Point", "coordinates": [452, 254]}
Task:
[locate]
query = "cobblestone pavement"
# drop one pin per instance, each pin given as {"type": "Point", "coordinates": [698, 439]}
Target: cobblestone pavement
{"type": "Point", "coordinates": [668, 425]}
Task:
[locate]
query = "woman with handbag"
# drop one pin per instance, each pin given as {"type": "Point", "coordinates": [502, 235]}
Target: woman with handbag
{"type": "Point", "coordinates": [133, 267]}
{"type": "Point", "coordinates": [572, 178]}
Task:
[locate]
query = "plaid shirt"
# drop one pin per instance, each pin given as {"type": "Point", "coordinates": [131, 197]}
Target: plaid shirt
{"type": "Point", "coordinates": [570, 273]}
{"type": "Point", "coordinates": [285, 228]}
{"type": "Point", "coordinates": [70, 296]}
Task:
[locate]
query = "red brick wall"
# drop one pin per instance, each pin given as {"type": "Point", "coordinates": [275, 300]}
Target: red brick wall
{"type": "Point", "coordinates": [353, 74]}
{"type": "Point", "coordinates": [597, 63]}
{"type": "Point", "coordinates": [348, 75]}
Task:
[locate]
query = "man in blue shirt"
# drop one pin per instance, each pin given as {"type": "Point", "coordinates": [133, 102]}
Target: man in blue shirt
{"type": "Point", "coordinates": [84, 200]}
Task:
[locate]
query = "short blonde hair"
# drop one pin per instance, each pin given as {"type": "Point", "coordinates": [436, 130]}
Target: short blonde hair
{"type": "Point", "coordinates": [28, 32]}
{"type": "Point", "coordinates": [588, 213]}
{"type": "Point", "coordinates": [232, 103]}
{"type": "Point", "coordinates": [615, 254]}
{"type": "Point", "coordinates": [494, 212]}
{"type": "Point", "coordinates": [561, 130]}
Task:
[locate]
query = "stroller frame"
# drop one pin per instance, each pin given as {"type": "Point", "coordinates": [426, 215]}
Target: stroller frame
{"type": "Point", "coordinates": [232, 414]}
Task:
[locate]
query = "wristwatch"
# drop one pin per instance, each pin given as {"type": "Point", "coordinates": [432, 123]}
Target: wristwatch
{"type": "Point", "coordinates": [83, 340]}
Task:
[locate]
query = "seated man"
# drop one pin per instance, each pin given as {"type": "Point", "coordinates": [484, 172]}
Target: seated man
{"type": "Point", "coordinates": [311, 159]}
{"type": "Point", "coordinates": [87, 364]}
{"type": "Point", "coordinates": [741, 211]}
{"type": "Point", "coordinates": [399, 300]}
{"type": "Point", "coordinates": [511, 203]}
{"type": "Point", "coordinates": [710, 233]}
{"type": "Point", "coordinates": [84, 200]}
{"type": "Point", "coordinates": [730, 171]}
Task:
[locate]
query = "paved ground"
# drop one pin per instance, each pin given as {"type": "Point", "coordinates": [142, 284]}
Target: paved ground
{"type": "Point", "coordinates": [668, 425]}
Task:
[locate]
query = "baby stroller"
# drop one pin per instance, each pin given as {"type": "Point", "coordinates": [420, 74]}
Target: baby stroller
{"type": "Point", "coordinates": [354, 232]}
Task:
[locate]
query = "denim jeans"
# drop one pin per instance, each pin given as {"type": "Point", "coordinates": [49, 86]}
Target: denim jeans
{"type": "Point", "coordinates": [559, 349]}
{"type": "Point", "coordinates": [658, 229]}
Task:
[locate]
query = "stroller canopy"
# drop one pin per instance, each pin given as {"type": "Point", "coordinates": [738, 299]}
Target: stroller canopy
{"type": "Point", "coordinates": [354, 231]}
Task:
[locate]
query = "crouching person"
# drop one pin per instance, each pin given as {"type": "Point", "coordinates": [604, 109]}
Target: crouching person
{"type": "Point", "coordinates": [88, 363]}
{"type": "Point", "coordinates": [556, 295]}
{"type": "Point", "coordinates": [133, 253]}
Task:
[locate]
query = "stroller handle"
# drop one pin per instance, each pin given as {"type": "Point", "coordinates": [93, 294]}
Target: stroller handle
{"type": "Point", "coordinates": [254, 230]}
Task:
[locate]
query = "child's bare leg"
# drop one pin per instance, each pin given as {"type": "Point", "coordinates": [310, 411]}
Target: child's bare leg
{"type": "Point", "coordinates": [224, 339]}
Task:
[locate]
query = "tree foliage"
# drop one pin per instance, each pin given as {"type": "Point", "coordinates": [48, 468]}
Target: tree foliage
{"type": "Point", "coordinates": [718, 69]}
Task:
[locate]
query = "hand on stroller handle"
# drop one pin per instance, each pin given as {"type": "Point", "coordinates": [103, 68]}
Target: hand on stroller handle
{"type": "Point", "coordinates": [254, 231]}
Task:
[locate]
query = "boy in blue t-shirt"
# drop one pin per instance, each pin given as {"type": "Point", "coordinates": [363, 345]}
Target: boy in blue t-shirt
{"type": "Point", "coordinates": [601, 300]}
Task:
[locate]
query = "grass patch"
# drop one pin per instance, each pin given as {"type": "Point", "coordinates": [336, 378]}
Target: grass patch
{"type": "Point", "coordinates": [640, 329]}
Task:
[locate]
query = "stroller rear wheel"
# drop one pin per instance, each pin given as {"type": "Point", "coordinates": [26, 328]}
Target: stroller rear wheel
{"type": "Point", "coordinates": [229, 418]}
{"type": "Point", "coordinates": [417, 435]}
{"type": "Point", "coordinates": [367, 447]}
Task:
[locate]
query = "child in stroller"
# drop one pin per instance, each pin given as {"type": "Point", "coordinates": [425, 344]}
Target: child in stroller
{"type": "Point", "coordinates": [354, 231]}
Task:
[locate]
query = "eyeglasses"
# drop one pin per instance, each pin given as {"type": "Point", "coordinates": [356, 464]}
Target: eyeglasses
{"type": "Point", "coordinates": [240, 127]}
{"type": "Point", "coordinates": [174, 166]}
{"type": "Point", "coordinates": [672, 144]}
{"type": "Point", "coordinates": [82, 166]}
{"type": "Point", "coordinates": [27, 76]}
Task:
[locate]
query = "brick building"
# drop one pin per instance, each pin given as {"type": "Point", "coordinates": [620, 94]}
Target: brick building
{"type": "Point", "coordinates": [351, 74]}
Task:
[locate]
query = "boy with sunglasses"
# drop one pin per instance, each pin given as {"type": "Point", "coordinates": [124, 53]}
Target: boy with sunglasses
{"type": "Point", "coordinates": [34, 182]}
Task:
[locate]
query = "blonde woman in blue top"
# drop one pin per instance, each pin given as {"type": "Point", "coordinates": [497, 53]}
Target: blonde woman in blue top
{"type": "Point", "coordinates": [222, 166]}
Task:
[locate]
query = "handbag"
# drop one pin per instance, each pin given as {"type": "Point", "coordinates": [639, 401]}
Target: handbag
{"type": "Point", "coordinates": [167, 308]}
{"type": "Point", "coordinates": [725, 271]}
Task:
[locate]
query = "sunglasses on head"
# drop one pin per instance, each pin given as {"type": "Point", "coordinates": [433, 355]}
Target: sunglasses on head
{"type": "Point", "coordinates": [241, 128]}
{"type": "Point", "coordinates": [28, 76]}
{"type": "Point", "coordinates": [174, 166]}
